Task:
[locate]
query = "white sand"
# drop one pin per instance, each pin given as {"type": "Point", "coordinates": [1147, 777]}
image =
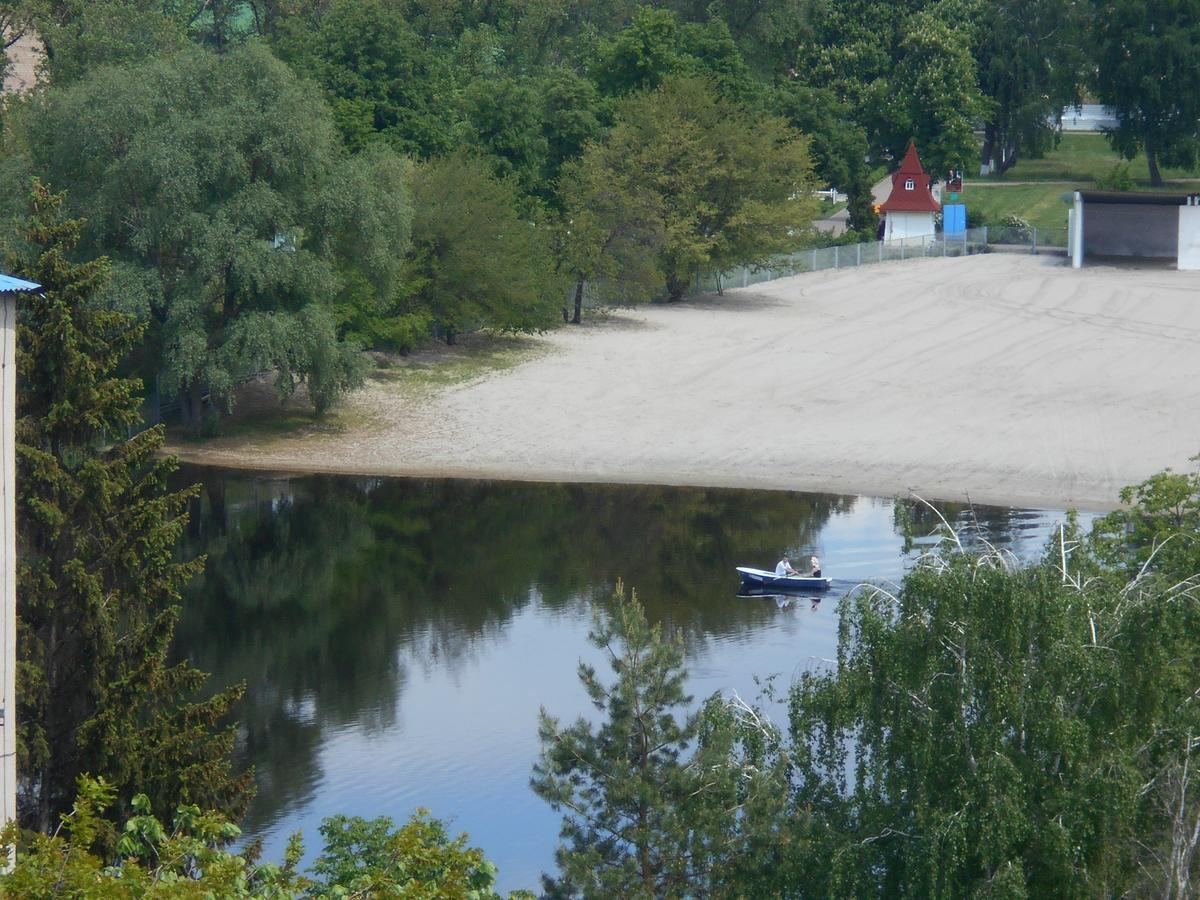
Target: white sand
{"type": "Point", "coordinates": [1006, 378]}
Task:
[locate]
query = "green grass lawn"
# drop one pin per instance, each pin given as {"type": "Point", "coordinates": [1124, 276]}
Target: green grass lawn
{"type": "Point", "coordinates": [1081, 157]}
{"type": "Point", "coordinates": [1041, 205]}
{"type": "Point", "coordinates": [1076, 164]}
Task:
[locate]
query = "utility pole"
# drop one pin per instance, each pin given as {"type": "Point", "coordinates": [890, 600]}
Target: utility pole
{"type": "Point", "coordinates": [10, 289]}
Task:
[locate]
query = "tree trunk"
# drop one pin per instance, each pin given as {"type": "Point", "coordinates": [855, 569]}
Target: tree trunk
{"type": "Point", "coordinates": [675, 288]}
{"type": "Point", "coordinates": [989, 144]}
{"type": "Point", "coordinates": [451, 337]}
{"type": "Point", "coordinates": [1156, 179]}
{"type": "Point", "coordinates": [578, 303]}
{"type": "Point", "coordinates": [192, 404]}
{"type": "Point", "coordinates": [1010, 160]}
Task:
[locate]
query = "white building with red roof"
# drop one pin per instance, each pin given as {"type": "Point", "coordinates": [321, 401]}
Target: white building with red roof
{"type": "Point", "coordinates": [908, 210]}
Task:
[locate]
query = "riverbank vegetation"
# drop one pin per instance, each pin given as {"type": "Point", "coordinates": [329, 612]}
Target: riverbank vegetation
{"type": "Point", "coordinates": [270, 179]}
{"type": "Point", "coordinates": [269, 186]}
{"type": "Point", "coordinates": [986, 729]}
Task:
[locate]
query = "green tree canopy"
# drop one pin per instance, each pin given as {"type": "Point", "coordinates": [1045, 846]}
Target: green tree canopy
{"type": "Point", "coordinates": [188, 859]}
{"type": "Point", "coordinates": [730, 185]}
{"type": "Point", "coordinates": [657, 802]}
{"type": "Point", "coordinates": [98, 579]}
{"type": "Point", "coordinates": [217, 187]}
{"type": "Point", "coordinates": [1031, 57]}
{"type": "Point", "coordinates": [475, 261]}
{"type": "Point", "coordinates": [81, 36]}
{"type": "Point", "coordinates": [656, 45]}
{"type": "Point", "coordinates": [934, 96]}
{"type": "Point", "coordinates": [1148, 71]}
{"type": "Point", "coordinates": [991, 730]}
{"type": "Point", "coordinates": [384, 80]}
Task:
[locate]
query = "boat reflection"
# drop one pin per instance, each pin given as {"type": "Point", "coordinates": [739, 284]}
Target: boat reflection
{"type": "Point", "coordinates": [781, 601]}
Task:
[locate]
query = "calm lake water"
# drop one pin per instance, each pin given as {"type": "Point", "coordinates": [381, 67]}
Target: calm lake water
{"type": "Point", "coordinates": [397, 637]}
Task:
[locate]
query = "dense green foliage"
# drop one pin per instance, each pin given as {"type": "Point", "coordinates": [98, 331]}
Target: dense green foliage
{"type": "Point", "coordinates": [725, 185]}
{"type": "Point", "coordinates": [229, 211]}
{"type": "Point", "coordinates": [98, 578]}
{"type": "Point", "coordinates": [474, 261]}
{"type": "Point", "coordinates": [987, 730]}
{"type": "Point", "coordinates": [189, 859]}
{"type": "Point", "coordinates": [258, 218]}
{"type": "Point", "coordinates": [1010, 731]}
{"type": "Point", "coordinates": [643, 816]}
{"type": "Point", "coordinates": [1149, 72]}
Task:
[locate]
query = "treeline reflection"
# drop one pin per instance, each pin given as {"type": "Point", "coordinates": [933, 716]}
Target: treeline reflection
{"type": "Point", "coordinates": [318, 588]}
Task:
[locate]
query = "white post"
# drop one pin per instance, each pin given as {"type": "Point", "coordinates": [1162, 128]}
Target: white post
{"type": "Point", "coordinates": [8, 536]}
{"type": "Point", "coordinates": [1077, 235]}
{"type": "Point", "coordinates": [835, 256]}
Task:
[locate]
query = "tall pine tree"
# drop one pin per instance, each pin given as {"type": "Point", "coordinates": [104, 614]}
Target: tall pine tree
{"type": "Point", "coordinates": [658, 802]}
{"type": "Point", "coordinates": [98, 575]}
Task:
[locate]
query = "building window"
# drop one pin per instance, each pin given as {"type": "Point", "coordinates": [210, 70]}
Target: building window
{"type": "Point", "coordinates": [909, 185]}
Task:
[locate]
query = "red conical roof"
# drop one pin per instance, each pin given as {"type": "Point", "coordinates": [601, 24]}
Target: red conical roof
{"type": "Point", "coordinates": [911, 164]}
{"type": "Point", "coordinates": [919, 197]}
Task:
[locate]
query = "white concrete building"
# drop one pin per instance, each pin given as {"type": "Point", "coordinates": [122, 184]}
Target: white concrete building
{"type": "Point", "coordinates": [909, 208]}
{"type": "Point", "coordinates": [1134, 224]}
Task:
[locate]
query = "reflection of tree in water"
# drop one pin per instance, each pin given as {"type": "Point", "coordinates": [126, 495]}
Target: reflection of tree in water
{"type": "Point", "coordinates": [320, 591]}
{"type": "Point", "coordinates": [1003, 527]}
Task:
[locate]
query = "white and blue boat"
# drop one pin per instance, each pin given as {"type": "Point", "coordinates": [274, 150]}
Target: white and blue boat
{"type": "Point", "coordinates": [761, 578]}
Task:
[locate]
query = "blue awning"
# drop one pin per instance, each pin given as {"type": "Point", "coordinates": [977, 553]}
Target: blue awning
{"type": "Point", "coordinates": [10, 285]}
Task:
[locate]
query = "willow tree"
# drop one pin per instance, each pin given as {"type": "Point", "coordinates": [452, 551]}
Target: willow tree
{"type": "Point", "coordinates": [992, 730]}
{"type": "Point", "coordinates": [217, 186]}
{"type": "Point", "coordinates": [98, 579]}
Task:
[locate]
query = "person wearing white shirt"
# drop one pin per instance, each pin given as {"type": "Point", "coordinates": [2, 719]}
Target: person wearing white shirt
{"type": "Point", "coordinates": [784, 567]}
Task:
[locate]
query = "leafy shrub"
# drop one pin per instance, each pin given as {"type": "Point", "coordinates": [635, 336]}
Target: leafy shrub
{"type": "Point", "coordinates": [1118, 179]}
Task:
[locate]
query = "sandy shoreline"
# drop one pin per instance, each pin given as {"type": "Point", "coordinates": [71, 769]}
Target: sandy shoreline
{"type": "Point", "coordinates": [1010, 379]}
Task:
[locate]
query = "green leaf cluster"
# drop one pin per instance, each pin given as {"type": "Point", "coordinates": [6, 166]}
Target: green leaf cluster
{"type": "Point", "coordinates": [475, 261]}
{"type": "Point", "coordinates": [718, 184]}
{"type": "Point", "coordinates": [189, 859]}
{"type": "Point", "coordinates": [217, 186]}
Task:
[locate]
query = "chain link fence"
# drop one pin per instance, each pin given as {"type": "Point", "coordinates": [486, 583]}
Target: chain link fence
{"type": "Point", "coordinates": [848, 256]}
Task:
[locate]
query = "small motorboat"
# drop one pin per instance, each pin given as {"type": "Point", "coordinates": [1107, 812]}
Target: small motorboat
{"type": "Point", "coordinates": [761, 578]}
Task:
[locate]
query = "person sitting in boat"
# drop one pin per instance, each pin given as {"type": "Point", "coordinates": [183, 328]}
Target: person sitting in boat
{"type": "Point", "coordinates": [816, 567]}
{"type": "Point", "coordinates": [784, 568]}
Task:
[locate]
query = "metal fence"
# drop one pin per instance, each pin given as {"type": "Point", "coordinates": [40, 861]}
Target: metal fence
{"type": "Point", "coordinates": [847, 256]}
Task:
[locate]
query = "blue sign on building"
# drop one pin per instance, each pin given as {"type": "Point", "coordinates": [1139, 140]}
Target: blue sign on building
{"type": "Point", "coordinates": [954, 218]}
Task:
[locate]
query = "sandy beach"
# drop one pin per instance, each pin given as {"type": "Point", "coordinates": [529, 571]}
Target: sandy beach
{"type": "Point", "coordinates": [1004, 378]}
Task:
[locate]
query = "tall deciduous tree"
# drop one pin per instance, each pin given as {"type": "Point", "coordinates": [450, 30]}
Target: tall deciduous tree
{"type": "Point", "coordinates": [383, 79]}
{"type": "Point", "coordinates": [216, 185]}
{"type": "Point", "coordinates": [731, 186]}
{"type": "Point", "coordinates": [1148, 70]}
{"type": "Point", "coordinates": [98, 577]}
{"type": "Point", "coordinates": [611, 234]}
{"type": "Point", "coordinates": [655, 46]}
{"type": "Point", "coordinates": [475, 261]}
{"type": "Point", "coordinates": [1032, 57]}
{"type": "Point", "coordinates": [934, 95]}
{"type": "Point", "coordinates": [81, 36]}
